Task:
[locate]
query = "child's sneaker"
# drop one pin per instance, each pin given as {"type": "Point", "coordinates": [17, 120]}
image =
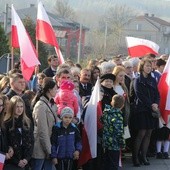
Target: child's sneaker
{"type": "Point", "coordinates": [159, 155]}
{"type": "Point", "coordinates": [165, 155]}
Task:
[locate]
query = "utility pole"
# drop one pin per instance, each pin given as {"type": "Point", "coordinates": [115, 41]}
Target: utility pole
{"type": "Point", "coordinates": [79, 45]}
{"type": "Point", "coordinates": [105, 37]}
{"type": "Point", "coordinates": [6, 18]}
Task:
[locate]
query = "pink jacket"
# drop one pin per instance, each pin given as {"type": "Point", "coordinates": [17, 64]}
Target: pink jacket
{"type": "Point", "coordinates": [66, 97]}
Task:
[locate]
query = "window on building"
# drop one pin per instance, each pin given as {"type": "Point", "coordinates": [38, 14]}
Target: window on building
{"type": "Point", "coordinates": [139, 27]}
{"type": "Point", "coordinates": [62, 41]}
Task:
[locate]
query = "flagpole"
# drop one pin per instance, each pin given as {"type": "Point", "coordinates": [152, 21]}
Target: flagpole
{"type": "Point", "coordinates": [12, 58]}
{"type": "Point", "coordinates": [37, 47]}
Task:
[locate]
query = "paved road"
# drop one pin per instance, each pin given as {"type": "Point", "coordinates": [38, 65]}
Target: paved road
{"type": "Point", "coordinates": [155, 164]}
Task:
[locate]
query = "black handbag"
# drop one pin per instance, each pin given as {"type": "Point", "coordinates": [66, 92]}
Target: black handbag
{"type": "Point", "coordinates": [156, 114]}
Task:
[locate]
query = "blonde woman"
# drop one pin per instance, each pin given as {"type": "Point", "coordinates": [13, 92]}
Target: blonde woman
{"type": "Point", "coordinates": [19, 134]}
{"type": "Point", "coordinates": [121, 89]}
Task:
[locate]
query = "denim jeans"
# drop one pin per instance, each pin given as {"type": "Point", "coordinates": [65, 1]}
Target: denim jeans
{"type": "Point", "coordinates": [42, 164]}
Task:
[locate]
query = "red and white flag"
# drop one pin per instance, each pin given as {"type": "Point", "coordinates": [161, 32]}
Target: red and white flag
{"type": "Point", "coordinates": [164, 91]}
{"type": "Point", "coordinates": [2, 160]}
{"type": "Point", "coordinates": [138, 47]}
{"type": "Point", "coordinates": [20, 39]}
{"type": "Point", "coordinates": [89, 131]}
{"type": "Point", "coordinates": [45, 32]}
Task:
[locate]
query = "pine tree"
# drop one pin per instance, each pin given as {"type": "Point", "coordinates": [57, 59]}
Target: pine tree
{"type": "Point", "coordinates": [4, 46]}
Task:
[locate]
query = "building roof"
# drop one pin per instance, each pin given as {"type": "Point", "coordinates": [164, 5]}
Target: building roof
{"type": "Point", "coordinates": [55, 20]}
{"type": "Point", "coordinates": [154, 20]}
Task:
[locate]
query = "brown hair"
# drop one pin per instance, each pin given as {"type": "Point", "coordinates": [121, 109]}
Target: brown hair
{"type": "Point", "coordinates": [117, 101]}
{"type": "Point", "coordinates": [142, 63]}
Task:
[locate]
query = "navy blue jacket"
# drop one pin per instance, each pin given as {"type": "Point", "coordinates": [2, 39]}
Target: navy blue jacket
{"type": "Point", "coordinates": [65, 141]}
{"type": "Point", "coordinates": [146, 93]}
{"type": "Point", "coordinates": [49, 72]}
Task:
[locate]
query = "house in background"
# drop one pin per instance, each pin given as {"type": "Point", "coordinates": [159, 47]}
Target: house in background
{"type": "Point", "coordinates": [151, 28]}
{"type": "Point", "coordinates": [67, 31]}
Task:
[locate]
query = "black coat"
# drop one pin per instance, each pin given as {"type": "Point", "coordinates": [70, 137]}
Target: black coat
{"type": "Point", "coordinates": [107, 97]}
{"type": "Point", "coordinates": [49, 72]}
{"type": "Point", "coordinates": [146, 93]}
{"type": "Point", "coordinates": [3, 141]}
{"type": "Point", "coordinates": [83, 91]}
{"type": "Point", "coordinates": [20, 139]}
{"type": "Point", "coordinates": [11, 93]}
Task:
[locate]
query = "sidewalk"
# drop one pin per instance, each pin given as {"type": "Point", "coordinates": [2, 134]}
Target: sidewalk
{"type": "Point", "coordinates": [155, 164]}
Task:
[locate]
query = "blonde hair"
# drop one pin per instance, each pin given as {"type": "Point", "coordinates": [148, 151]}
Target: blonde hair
{"type": "Point", "coordinates": [117, 70]}
{"type": "Point", "coordinates": [10, 115]}
{"type": "Point", "coordinates": [4, 82]}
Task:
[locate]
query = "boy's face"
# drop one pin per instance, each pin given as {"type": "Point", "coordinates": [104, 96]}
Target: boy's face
{"type": "Point", "coordinates": [108, 83]}
{"type": "Point", "coordinates": [67, 119]}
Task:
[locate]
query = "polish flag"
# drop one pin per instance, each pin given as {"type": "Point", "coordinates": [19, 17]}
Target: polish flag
{"type": "Point", "coordinates": [20, 39]}
{"type": "Point", "coordinates": [138, 47]}
{"type": "Point", "coordinates": [45, 32]}
{"type": "Point", "coordinates": [2, 160]}
{"type": "Point", "coordinates": [89, 131]}
{"type": "Point", "coordinates": [164, 91]}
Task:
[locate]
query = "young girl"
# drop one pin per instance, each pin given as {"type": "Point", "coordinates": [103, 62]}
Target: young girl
{"type": "Point", "coordinates": [66, 97]}
{"type": "Point", "coordinates": [19, 134]}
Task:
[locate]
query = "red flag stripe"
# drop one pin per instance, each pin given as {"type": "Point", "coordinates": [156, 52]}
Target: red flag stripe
{"type": "Point", "coordinates": [140, 50]}
{"type": "Point", "coordinates": [45, 33]}
{"type": "Point", "coordinates": [14, 33]}
{"type": "Point", "coordinates": [85, 153]}
{"type": "Point", "coordinates": [163, 90]}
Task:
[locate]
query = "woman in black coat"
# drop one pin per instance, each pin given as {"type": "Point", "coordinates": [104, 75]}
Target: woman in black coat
{"type": "Point", "coordinates": [146, 101]}
{"type": "Point", "coordinates": [7, 151]}
{"type": "Point", "coordinates": [19, 134]}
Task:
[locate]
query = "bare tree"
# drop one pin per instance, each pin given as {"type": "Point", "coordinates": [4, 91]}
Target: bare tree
{"type": "Point", "coordinates": [63, 9]}
{"type": "Point", "coordinates": [115, 19]}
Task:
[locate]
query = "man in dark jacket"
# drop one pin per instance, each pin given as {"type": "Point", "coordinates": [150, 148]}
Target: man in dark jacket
{"type": "Point", "coordinates": [53, 63]}
{"type": "Point", "coordinates": [17, 84]}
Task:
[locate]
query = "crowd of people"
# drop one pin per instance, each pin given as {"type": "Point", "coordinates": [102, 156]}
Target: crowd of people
{"type": "Point", "coordinates": [41, 121]}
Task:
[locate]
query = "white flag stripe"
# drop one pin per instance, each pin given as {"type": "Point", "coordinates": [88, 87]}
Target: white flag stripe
{"type": "Point", "coordinates": [41, 14]}
{"type": "Point", "coordinates": [25, 46]}
{"type": "Point", "coordinates": [2, 158]}
{"type": "Point", "coordinates": [90, 120]}
{"type": "Point", "coordinates": [132, 41]}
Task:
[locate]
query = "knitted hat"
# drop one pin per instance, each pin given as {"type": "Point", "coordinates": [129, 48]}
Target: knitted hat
{"type": "Point", "coordinates": [107, 76]}
{"type": "Point", "coordinates": [66, 111]}
{"type": "Point", "coordinates": [67, 85]}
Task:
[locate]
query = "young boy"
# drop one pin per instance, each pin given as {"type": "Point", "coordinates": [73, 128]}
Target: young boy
{"type": "Point", "coordinates": [113, 139]}
{"type": "Point", "coordinates": [65, 141]}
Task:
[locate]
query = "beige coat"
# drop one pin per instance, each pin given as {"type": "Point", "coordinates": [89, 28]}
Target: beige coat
{"type": "Point", "coordinates": [44, 120]}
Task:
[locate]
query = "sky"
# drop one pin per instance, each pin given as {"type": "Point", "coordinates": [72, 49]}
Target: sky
{"type": "Point", "coordinates": [159, 7]}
